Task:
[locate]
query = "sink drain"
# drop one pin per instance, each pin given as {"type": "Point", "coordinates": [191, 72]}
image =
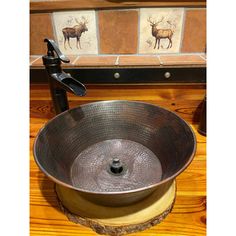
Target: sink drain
{"type": "Point", "coordinates": [116, 167]}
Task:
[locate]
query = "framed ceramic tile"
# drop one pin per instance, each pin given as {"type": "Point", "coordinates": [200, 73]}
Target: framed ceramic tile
{"type": "Point", "coordinates": [160, 30]}
{"type": "Point", "coordinates": [75, 32]}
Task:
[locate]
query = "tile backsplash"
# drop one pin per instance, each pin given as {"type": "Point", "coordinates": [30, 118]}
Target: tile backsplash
{"type": "Point", "coordinates": [141, 31]}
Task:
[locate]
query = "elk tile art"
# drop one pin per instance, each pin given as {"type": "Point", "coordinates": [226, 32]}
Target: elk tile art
{"type": "Point", "coordinates": [160, 30]}
{"type": "Point", "coordinates": [76, 32]}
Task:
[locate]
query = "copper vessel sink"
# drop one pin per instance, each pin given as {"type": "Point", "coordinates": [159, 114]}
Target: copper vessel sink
{"type": "Point", "coordinates": [115, 152]}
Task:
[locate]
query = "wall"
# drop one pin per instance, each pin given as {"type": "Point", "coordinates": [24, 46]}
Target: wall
{"type": "Point", "coordinates": [122, 31]}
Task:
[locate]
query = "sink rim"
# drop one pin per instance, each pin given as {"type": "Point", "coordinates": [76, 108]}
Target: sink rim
{"type": "Point", "coordinates": [190, 159]}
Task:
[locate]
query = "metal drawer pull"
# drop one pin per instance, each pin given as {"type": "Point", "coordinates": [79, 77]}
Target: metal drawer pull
{"type": "Point", "coordinates": [167, 75]}
{"type": "Point", "coordinates": [117, 75]}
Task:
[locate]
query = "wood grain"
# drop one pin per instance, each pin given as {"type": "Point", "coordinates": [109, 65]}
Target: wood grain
{"type": "Point", "coordinates": [112, 220]}
{"type": "Point", "coordinates": [184, 100]}
{"type": "Point", "coordinates": [53, 5]}
{"type": "Point", "coordinates": [188, 216]}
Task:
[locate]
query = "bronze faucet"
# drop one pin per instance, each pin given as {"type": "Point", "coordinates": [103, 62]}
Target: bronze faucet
{"type": "Point", "coordinates": [60, 82]}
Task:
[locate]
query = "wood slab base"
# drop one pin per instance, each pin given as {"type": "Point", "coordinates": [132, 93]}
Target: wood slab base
{"type": "Point", "coordinates": [116, 220]}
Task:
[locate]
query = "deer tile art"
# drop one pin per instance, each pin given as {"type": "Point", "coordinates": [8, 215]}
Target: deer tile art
{"type": "Point", "coordinates": [160, 30]}
{"type": "Point", "coordinates": [76, 32]}
{"type": "Point", "coordinates": [159, 34]}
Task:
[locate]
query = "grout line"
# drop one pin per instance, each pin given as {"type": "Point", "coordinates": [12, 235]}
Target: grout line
{"type": "Point", "coordinates": [167, 53]}
{"type": "Point", "coordinates": [159, 58]}
{"type": "Point", "coordinates": [182, 30]}
{"type": "Point", "coordinates": [203, 57]}
{"type": "Point", "coordinates": [138, 55]}
{"type": "Point", "coordinates": [131, 8]}
{"type": "Point", "coordinates": [97, 32]}
{"type": "Point", "coordinates": [138, 38]}
{"type": "Point", "coordinates": [195, 8]}
{"type": "Point", "coordinates": [75, 60]}
{"type": "Point", "coordinates": [117, 60]}
{"type": "Point", "coordinates": [100, 55]}
{"type": "Point", "coordinates": [54, 27]}
{"type": "Point", "coordinates": [181, 54]}
{"type": "Point", "coordinates": [34, 60]}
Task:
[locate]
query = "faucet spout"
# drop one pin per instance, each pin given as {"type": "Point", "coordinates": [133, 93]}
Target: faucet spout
{"type": "Point", "coordinates": [75, 86]}
{"type": "Point", "coordinates": [70, 84]}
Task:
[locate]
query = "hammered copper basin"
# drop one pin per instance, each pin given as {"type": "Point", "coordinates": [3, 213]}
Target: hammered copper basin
{"type": "Point", "coordinates": [115, 152]}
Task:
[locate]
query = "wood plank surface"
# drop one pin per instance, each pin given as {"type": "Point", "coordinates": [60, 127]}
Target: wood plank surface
{"type": "Point", "coordinates": [188, 216]}
{"type": "Point", "coordinates": [55, 5]}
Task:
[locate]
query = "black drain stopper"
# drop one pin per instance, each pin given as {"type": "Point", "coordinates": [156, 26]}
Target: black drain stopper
{"type": "Point", "coordinates": [116, 166]}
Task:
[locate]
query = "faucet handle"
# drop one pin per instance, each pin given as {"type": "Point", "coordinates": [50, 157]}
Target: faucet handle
{"type": "Point", "coordinates": [52, 47]}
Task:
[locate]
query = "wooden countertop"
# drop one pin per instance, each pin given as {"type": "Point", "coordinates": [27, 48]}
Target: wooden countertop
{"type": "Point", "coordinates": [188, 216]}
{"type": "Point", "coordinates": [52, 5]}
